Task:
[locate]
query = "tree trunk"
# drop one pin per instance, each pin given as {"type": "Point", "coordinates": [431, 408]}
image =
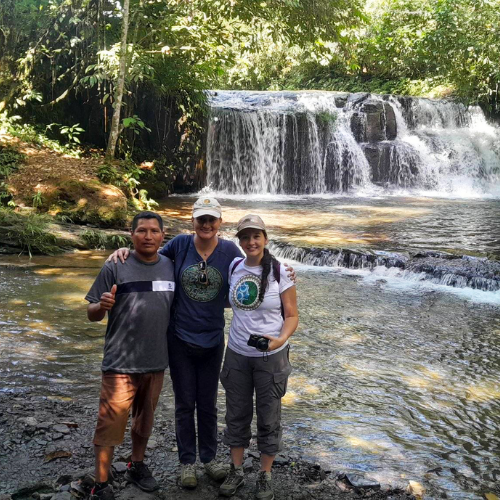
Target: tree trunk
{"type": "Point", "coordinates": [120, 84]}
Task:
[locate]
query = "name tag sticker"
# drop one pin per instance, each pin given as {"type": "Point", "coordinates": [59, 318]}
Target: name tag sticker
{"type": "Point", "coordinates": [163, 286]}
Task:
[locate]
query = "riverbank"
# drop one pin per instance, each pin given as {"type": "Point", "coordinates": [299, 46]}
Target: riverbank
{"type": "Point", "coordinates": [47, 454]}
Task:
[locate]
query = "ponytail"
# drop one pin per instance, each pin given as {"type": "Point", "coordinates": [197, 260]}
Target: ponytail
{"type": "Point", "coordinates": [267, 264]}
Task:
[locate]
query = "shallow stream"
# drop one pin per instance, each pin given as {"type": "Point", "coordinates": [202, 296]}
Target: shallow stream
{"type": "Point", "coordinates": [394, 378]}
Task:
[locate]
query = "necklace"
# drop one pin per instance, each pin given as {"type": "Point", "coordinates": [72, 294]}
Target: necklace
{"type": "Point", "coordinates": [205, 253]}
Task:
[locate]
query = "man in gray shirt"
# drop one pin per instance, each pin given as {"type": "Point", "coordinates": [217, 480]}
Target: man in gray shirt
{"type": "Point", "coordinates": [137, 295]}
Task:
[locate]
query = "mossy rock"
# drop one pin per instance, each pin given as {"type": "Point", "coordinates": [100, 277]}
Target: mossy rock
{"type": "Point", "coordinates": [88, 202]}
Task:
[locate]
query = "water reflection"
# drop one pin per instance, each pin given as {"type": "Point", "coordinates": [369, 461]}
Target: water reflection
{"type": "Point", "coordinates": [391, 381]}
{"type": "Point", "coordinates": [388, 223]}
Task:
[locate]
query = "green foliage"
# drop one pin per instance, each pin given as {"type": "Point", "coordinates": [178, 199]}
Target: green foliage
{"type": "Point", "coordinates": [135, 124]}
{"type": "Point", "coordinates": [147, 203]}
{"type": "Point", "coordinates": [127, 175]}
{"type": "Point", "coordinates": [29, 232]}
{"type": "Point", "coordinates": [37, 200]}
{"type": "Point", "coordinates": [101, 240]}
{"type": "Point", "coordinates": [108, 174]}
{"type": "Point", "coordinates": [326, 118]}
{"type": "Point", "coordinates": [35, 134]}
{"type": "Point", "coordinates": [10, 159]}
{"type": "Point", "coordinates": [452, 42]}
{"type": "Point", "coordinates": [72, 133]}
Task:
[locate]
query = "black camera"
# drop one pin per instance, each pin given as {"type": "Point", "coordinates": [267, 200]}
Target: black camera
{"type": "Point", "coordinates": [260, 343]}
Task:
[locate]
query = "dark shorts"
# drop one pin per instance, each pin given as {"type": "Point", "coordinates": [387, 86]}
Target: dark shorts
{"type": "Point", "coordinates": [119, 393]}
{"type": "Point", "coordinates": [267, 376]}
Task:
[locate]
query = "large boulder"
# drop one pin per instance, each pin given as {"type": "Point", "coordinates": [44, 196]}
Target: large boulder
{"type": "Point", "coordinates": [393, 163]}
{"type": "Point", "coordinates": [374, 121]}
{"type": "Point", "coordinates": [88, 202]}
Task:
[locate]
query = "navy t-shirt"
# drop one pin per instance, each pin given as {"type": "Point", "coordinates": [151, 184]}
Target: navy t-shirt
{"type": "Point", "coordinates": [198, 311]}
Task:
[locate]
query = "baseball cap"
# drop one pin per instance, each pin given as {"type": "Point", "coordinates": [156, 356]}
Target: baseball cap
{"type": "Point", "coordinates": [207, 206]}
{"type": "Point", "coordinates": [250, 220]}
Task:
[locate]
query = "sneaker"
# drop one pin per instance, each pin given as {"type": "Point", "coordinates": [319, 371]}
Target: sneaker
{"type": "Point", "coordinates": [104, 494]}
{"type": "Point", "coordinates": [216, 470]}
{"type": "Point", "coordinates": [264, 489]}
{"type": "Point", "coordinates": [233, 481]}
{"type": "Point", "coordinates": [188, 476]}
{"type": "Point", "coordinates": [139, 474]}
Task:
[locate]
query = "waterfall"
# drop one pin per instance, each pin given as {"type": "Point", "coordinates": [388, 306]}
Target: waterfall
{"type": "Point", "coordinates": [440, 268]}
{"type": "Point", "coordinates": [330, 142]}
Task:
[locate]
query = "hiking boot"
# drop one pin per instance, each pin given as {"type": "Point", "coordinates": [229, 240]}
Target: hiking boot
{"type": "Point", "coordinates": [104, 494]}
{"type": "Point", "coordinates": [188, 476]}
{"type": "Point", "coordinates": [216, 470]}
{"type": "Point", "coordinates": [264, 488]}
{"type": "Point", "coordinates": [233, 481]}
{"type": "Point", "coordinates": [139, 474]}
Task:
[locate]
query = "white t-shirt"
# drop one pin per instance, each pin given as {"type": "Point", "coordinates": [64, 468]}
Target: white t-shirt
{"type": "Point", "coordinates": [249, 315]}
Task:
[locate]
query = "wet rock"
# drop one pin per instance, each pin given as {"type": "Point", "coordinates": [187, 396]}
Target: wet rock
{"type": "Point", "coordinates": [281, 460]}
{"type": "Point", "coordinates": [359, 482]}
{"type": "Point", "coordinates": [373, 121]}
{"type": "Point", "coordinates": [416, 489]}
{"type": "Point", "coordinates": [357, 98]}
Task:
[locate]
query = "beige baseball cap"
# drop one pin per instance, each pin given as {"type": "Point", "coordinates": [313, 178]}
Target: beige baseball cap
{"type": "Point", "coordinates": [207, 206]}
{"type": "Point", "coordinates": [250, 221]}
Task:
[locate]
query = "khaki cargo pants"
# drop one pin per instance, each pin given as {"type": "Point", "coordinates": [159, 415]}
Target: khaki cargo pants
{"type": "Point", "coordinates": [267, 376]}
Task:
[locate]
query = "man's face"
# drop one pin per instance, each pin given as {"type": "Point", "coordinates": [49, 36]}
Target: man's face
{"type": "Point", "coordinates": [147, 237]}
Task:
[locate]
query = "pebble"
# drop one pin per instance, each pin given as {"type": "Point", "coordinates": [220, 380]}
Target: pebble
{"type": "Point", "coordinates": [31, 421]}
{"type": "Point", "coordinates": [43, 426]}
{"type": "Point", "coordinates": [120, 467]}
{"type": "Point", "coordinates": [280, 460]}
{"type": "Point", "coordinates": [63, 495]}
{"type": "Point", "coordinates": [63, 429]}
{"type": "Point", "coordinates": [248, 464]}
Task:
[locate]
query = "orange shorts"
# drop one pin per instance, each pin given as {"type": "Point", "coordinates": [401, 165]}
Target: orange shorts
{"type": "Point", "coordinates": [119, 393]}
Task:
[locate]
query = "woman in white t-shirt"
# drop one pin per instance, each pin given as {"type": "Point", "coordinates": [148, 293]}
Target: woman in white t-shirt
{"type": "Point", "coordinates": [265, 315]}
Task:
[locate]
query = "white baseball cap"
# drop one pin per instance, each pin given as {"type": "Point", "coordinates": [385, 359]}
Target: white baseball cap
{"type": "Point", "coordinates": [207, 206]}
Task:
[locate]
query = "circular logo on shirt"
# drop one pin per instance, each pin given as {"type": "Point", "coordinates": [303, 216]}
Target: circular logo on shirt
{"type": "Point", "coordinates": [197, 287]}
{"type": "Point", "coordinates": [246, 293]}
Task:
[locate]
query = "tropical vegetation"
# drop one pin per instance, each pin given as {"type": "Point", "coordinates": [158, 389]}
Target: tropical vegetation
{"type": "Point", "coordinates": [129, 75]}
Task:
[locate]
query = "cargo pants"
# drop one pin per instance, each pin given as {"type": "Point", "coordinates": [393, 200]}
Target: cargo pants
{"type": "Point", "coordinates": [265, 375]}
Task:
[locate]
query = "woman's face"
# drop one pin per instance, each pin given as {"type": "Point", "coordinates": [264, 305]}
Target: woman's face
{"type": "Point", "coordinates": [253, 242]}
{"type": "Point", "coordinates": [206, 226]}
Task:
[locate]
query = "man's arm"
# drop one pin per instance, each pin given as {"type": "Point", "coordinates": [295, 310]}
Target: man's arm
{"type": "Point", "coordinates": [97, 310]}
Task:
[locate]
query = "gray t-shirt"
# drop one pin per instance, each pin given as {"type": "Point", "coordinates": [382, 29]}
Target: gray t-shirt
{"type": "Point", "coordinates": [136, 335]}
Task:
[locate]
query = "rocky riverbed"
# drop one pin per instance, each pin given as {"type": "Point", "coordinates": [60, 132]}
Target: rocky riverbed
{"type": "Point", "coordinates": [46, 453]}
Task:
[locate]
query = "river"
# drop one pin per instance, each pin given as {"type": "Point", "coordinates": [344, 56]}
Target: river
{"type": "Point", "coordinates": [392, 377]}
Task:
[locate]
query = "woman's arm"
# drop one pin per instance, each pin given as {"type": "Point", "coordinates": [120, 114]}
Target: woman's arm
{"type": "Point", "coordinates": [289, 301]}
{"type": "Point", "coordinates": [121, 253]}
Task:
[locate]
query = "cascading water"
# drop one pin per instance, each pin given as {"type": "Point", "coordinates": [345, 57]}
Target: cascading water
{"type": "Point", "coordinates": [319, 142]}
{"type": "Point", "coordinates": [282, 143]}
